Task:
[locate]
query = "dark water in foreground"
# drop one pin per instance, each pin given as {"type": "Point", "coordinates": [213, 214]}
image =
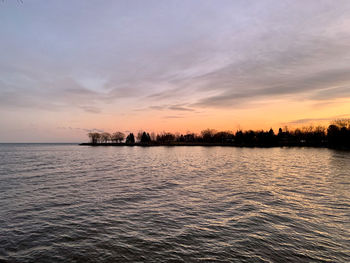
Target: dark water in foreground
{"type": "Point", "coordinates": [68, 203]}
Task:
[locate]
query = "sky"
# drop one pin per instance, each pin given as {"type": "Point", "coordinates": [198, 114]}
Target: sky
{"type": "Point", "coordinates": [71, 67]}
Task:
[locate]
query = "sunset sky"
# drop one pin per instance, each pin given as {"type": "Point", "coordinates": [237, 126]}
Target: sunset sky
{"type": "Point", "coordinates": [70, 67]}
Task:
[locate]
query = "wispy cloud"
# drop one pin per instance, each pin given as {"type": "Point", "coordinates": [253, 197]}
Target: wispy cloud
{"type": "Point", "coordinates": [179, 108]}
{"type": "Point", "coordinates": [91, 109]}
{"type": "Point", "coordinates": [175, 107]}
{"type": "Point", "coordinates": [80, 129]}
{"type": "Point", "coordinates": [173, 117]}
{"type": "Point", "coordinates": [313, 86]}
{"type": "Point", "coordinates": [315, 120]}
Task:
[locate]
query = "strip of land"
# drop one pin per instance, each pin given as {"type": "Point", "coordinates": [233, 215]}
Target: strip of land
{"type": "Point", "coordinates": [152, 144]}
{"type": "Point", "coordinates": [337, 136]}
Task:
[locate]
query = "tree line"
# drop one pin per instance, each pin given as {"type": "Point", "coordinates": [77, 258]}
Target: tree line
{"type": "Point", "coordinates": [337, 135]}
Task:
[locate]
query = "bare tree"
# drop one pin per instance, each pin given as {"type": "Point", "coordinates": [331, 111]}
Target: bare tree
{"type": "Point", "coordinates": [105, 137]}
{"type": "Point", "coordinates": [342, 123]}
{"type": "Point", "coordinates": [94, 137]}
{"type": "Point", "coordinates": [208, 135]}
{"type": "Point", "coordinates": [165, 137]}
{"type": "Point", "coordinates": [153, 136]}
{"type": "Point", "coordinates": [139, 135]}
{"type": "Point", "coordinates": [118, 137]}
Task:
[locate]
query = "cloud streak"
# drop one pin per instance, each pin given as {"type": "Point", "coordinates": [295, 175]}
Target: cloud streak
{"type": "Point", "coordinates": [312, 120]}
{"type": "Point", "coordinates": [316, 86]}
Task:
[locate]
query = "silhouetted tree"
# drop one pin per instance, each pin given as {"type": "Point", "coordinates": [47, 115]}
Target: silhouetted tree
{"type": "Point", "coordinates": [190, 137]}
{"type": "Point", "coordinates": [165, 137]}
{"type": "Point", "coordinates": [118, 137]}
{"type": "Point", "coordinates": [223, 137]}
{"type": "Point", "coordinates": [338, 133]}
{"type": "Point", "coordinates": [280, 132]}
{"type": "Point", "coordinates": [145, 138]}
{"type": "Point", "coordinates": [208, 135]}
{"type": "Point", "coordinates": [337, 136]}
{"type": "Point", "coordinates": [249, 138]}
{"type": "Point", "coordinates": [130, 139]}
{"type": "Point", "coordinates": [94, 137]}
{"type": "Point", "coordinates": [342, 123]}
{"type": "Point", "coordinates": [181, 138]}
{"type": "Point", "coordinates": [239, 137]}
{"type": "Point", "coordinates": [271, 139]}
{"type": "Point", "coordinates": [153, 137]}
{"type": "Point", "coordinates": [139, 135]}
{"type": "Point", "coordinates": [105, 137]}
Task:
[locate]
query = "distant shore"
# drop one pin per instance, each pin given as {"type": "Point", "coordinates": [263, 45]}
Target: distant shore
{"type": "Point", "coordinates": [325, 145]}
{"type": "Point", "coordinates": [336, 136]}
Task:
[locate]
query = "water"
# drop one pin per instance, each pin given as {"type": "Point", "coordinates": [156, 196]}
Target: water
{"type": "Point", "coordinates": [69, 203]}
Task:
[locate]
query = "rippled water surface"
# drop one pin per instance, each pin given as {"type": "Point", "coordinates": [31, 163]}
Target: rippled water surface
{"type": "Point", "coordinates": [69, 203]}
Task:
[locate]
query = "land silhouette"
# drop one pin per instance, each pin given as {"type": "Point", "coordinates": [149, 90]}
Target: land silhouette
{"type": "Point", "coordinates": [337, 135]}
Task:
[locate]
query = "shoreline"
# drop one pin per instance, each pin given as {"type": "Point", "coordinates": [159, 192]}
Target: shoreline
{"type": "Point", "coordinates": [310, 145]}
